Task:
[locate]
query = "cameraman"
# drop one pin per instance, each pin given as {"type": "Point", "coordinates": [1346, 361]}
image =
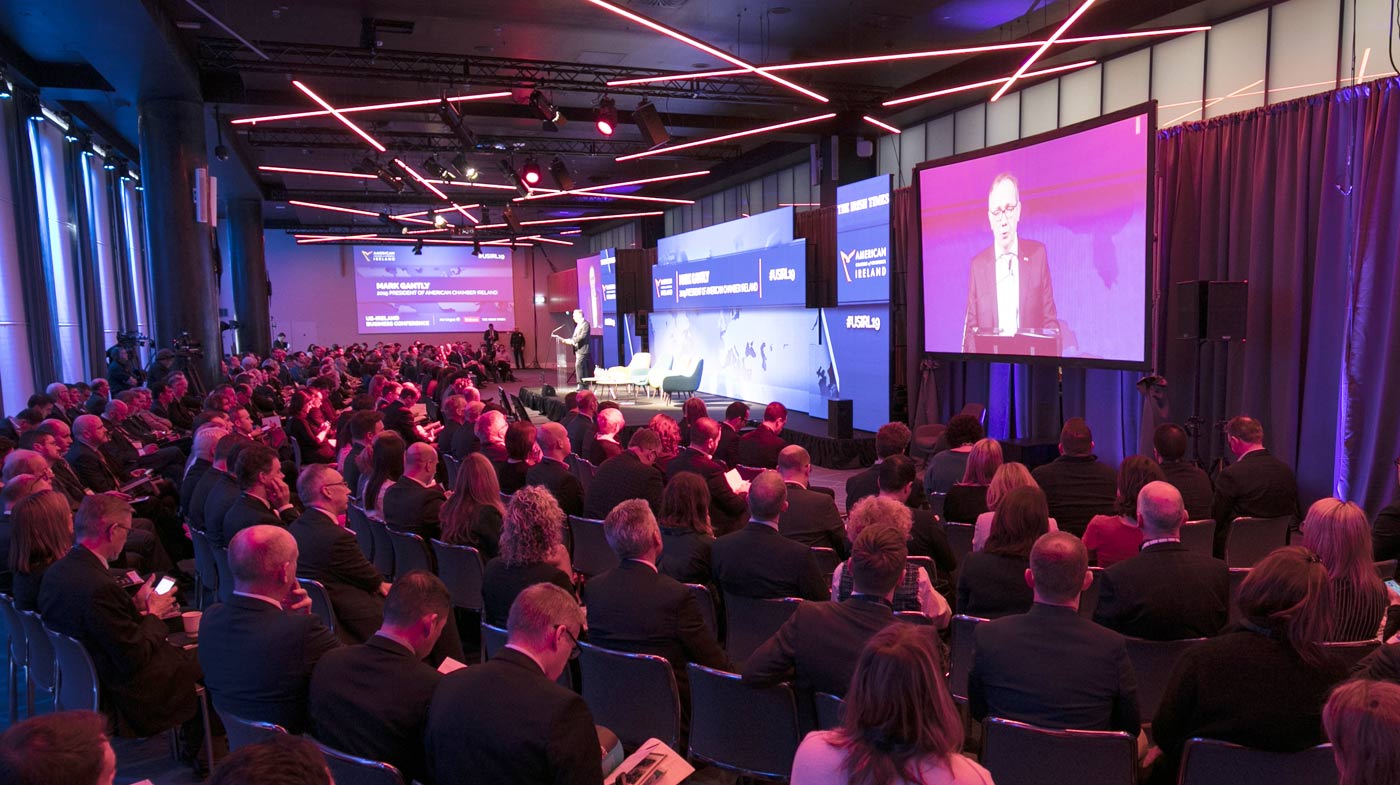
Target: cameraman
{"type": "Point", "coordinates": [122, 373]}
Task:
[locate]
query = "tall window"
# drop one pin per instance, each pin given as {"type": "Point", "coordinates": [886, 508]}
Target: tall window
{"type": "Point", "coordinates": [59, 233]}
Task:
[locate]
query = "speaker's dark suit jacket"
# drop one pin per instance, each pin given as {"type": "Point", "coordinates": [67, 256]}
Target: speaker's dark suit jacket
{"type": "Point", "coordinates": [1077, 487]}
{"type": "Point", "coordinates": [817, 647]}
{"type": "Point", "coordinates": [759, 447]}
{"type": "Point", "coordinates": [1167, 592]}
{"type": "Point", "coordinates": [93, 468]}
{"type": "Point", "coordinates": [220, 500]}
{"type": "Point", "coordinates": [1256, 486]}
{"type": "Point", "coordinates": [190, 482]}
{"type": "Point", "coordinates": [867, 483]}
{"type": "Point", "coordinates": [372, 701]}
{"type": "Point", "coordinates": [258, 659]}
{"type": "Point", "coordinates": [619, 479]}
{"type": "Point", "coordinates": [1053, 668]}
{"type": "Point", "coordinates": [555, 476]}
{"type": "Point", "coordinates": [411, 507]}
{"type": "Point", "coordinates": [505, 723]}
{"type": "Point", "coordinates": [1196, 491]}
{"type": "Point", "coordinates": [756, 561]}
{"type": "Point", "coordinates": [727, 508]}
{"type": "Point", "coordinates": [150, 683]}
{"type": "Point", "coordinates": [328, 553]}
{"type": "Point", "coordinates": [248, 511]}
{"type": "Point", "coordinates": [1037, 292]}
{"type": "Point", "coordinates": [813, 520]}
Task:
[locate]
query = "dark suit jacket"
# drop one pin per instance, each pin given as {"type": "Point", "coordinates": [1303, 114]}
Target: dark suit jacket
{"type": "Point", "coordinates": [464, 441]}
{"type": "Point", "coordinates": [817, 647]}
{"type": "Point", "coordinates": [93, 468]}
{"type": "Point", "coordinates": [328, 553]}
{"type": "Point", "coordinates": [550, 738]}
{"type": "Point", "coordinates": [1167, 592]}
{"type": "Point", "coordinates": [619, 479]}
{"type": "Point", "coordinates": [1195, 487]}
{"type": "Point", "coordinates": [581, 429]}
{"type": "Point", "coordinates": [867, 483]}
{"type": "Point", "coordinates": [1385, 533]}
{"type": "Point", "coordinates": [410, 507]}
{"type": "Point", "coordinates": [66, 482]}
{"type": "Point", "coordinates": [759, 447]}
{"type": "Point", "coordinates": [601, 450]}
{"type": "Point", "coordinates": [149, 682]}
{"type": "Point", "coordinates": [1053, 668]}
{"type": "Point", "coordinates": [727, 508]}
{"type": "Point", "coordinates": [502, 583]}
{"type": "Point", "coordinates": [1037, 292]}
{"type": "Point", "coordinates": [372, 701]}
{"type": "Point", "coordinates": [190, 482]}
{"type": "Point", "coordinates": [756, 561]}
{"type": "Point", "coordinates": [222, 496]}
{"type": "Point", "coordinates": [929, 537]}
{"type": "Point", "coordinates": [1077, 487]}
{"type": "Point", "coordinates": [494, 452]}
{"type": "Point", "coordinates": [250, 511]}
{"type": "Point", "coordinates": [199, 496]}
{"type": "Point", "coordinates": [511, 475]}
{"type": "Point", "coordinates": [991, 585]}
{"type": "Point", "coordinates": [1256, 486]}
{"type": "Point", "coordinates": [555, 476]}
{"type": "Point", "coordinates": [728, 438]}
{"type": "Point", "coordinates": [685, 555]}
{"type": "Point", "coordinates": [813, 520]}
{"type": "Point", "coordinates": [258, 659]}
{"type": "Point", "coordinates": [350, 471]}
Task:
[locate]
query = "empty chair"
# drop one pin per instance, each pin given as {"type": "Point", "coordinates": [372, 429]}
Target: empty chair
{"type": "Point", "coordinates": [738, 728]}
{"type": "Point", "coordinates": [960, 539]}
{"type": "Point", "coordinates": [648, 707]}
{"type": "Point", "coordinates": [827, 560]}
{"type": "Point", "coordinates": [1020, 754]}
{"type": "Point", "coordinates": [364, 536]}
{"type": "Point", "coordinates": [320, 601]}
{"type": "Point", "coordinates": [592, 554]}
{"type": "Point", "coordinates": [960, 658]}
{"type": "Point", "coordinates": [1352, 651]}
{"type": "Point", "coordinates": [206, 572]}
{"type": "Point", "coordinates": [383, 548]}
{"type": "Point", "coordinates": [40, 656]}
{"type": "Point", "coordinates": [347, 769]}
{"type": "Point", "coordinates": [410, 552]}
{"type": "Point", "coordinates": [243, 732]}
{"type": "Point", "coordinates": [830, 711]}
{"type": "Point", "coordinates": [749, 622]}
{"type": "Point", "coordinates": [1251, 539]}
{"type": "Point", "coordinates": [1199, 536]}
{"type": "Point", "coordinates": [460, 567]}
{"type": "Point", "coordinates": [707, 607]}
{"type": "Point", "coordinates": [1089, 600]}
{"type": "Point", "coordinates": [1153, 662]}
{"type": "Point", "coordinates": [1210, 762]}
{"type": "Point", "coordinates": [19, 653]}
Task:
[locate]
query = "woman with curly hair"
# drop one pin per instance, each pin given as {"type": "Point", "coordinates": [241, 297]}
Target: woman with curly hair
{"type": "Point", "coordinates": [532, 551]}
{"type": "Point", "coordinates": [915, 591]}
{"type": "Point", "coordinates": [670, 434]}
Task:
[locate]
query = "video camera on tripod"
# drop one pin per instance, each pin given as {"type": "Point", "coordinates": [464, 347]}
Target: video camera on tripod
{"type": "Point", "coordinates": [130, 339]}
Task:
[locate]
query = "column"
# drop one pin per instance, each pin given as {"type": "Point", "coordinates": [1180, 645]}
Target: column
{"type": "Point", "coordinates": [249, 273]}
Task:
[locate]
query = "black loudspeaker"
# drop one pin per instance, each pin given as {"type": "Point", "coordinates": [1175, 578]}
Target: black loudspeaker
{"type": "Point", "coordinates": [1212, 310]}
{"type": "Point", "coordinates": [548, 391]}
{"type": "Point", "coordinates": [839, 415]}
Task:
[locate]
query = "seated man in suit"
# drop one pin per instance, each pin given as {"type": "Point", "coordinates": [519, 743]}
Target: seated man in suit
{"type": "Point", "coordinates": [259, 648]}
{"type": "Point", "coordinates": [97, 473]}
{"type": "Point", "coordinates": [203, 454]}
{"type": "Point", "coordinates": [149, 683]}
{"type": "Point", "coordinates": [265, 500]}
{"type": "Point", "coordinates": [1167, 591]}
{"type": "Point", "coordinates": [506, 722]}
{"type": "Point", "coordinates": [727, 508]}
{"type": "Point", "coordinates": [126, 453]}
{"type": "Point", "coordinates": [553, 472]}
{"type": "Point", "coordinates": [1051, 667]}
{"type": "Point", "coordinates": [329, 553]}
{"type": "Point", "coordinates": [363, 428]}
{"type": "Point", "coordinates": [757, 561]}
{"type": "Point", "coordinates": [811, 517]}
{"type": "Point", "coordinates": [491, 429]}
{"type": "Point", "coordinates": [736, 415]}
{"type": "Point", "coordinates": [609, 428]}
{"type": "Point", "coordinates": [581, 425]}
{"type": "Point", "coordinates": [898, 480]}
{"type": "Point", "coordinates": [372, 700]}
{"type": "Point", "coordinates": [1077, 484]}
{"type": "Point", "coordinates": [1169, 447]}
{"type": "Point", "coordinates": [891, 439]}
{"type": "Point", "coordinates": [1257, 485]}
{"type": "Point", "coordinates": [631, 475]}
{"type": "Point", "coordinates": [760, 447]}
{"type": "Point", "coordinates": [464, 440]}
{"type": "Point", "coordinates": [414, 502]}
{"type": "Point", "coordinates": [218, 488]}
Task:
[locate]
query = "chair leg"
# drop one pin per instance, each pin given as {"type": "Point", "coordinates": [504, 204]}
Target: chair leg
{"type": "Point", "coordinates": [208, 728]}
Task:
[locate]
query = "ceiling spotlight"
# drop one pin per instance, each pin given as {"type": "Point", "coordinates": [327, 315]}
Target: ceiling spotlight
{"type": "Point", "coordinates": [465, 167]}
{"type": "Point", "coordinates": [548, 112]}
{"type": "Point", "coordinates": [513, 177]}
{"type": "Point", "coordinates": [606, 118]}
{"type": "Point", "coordinates": [531, 173]}
{"type": "Point", "coordinates": [454, 121]}
{"type": "Point", "coordinates": [371, 166]}
{"type": "Point", "coordinates": [560, 172]}
{"type": "Point", "coordinates": [418, 247]}
{"type": "Point", "coordinates": [648, 121]}
{"type": "Point", "coordinates": [508, 215]}
{"type": "Point", "coordinates": [440, 221]}
{"type": "Point", "coordinates": [438, 170]}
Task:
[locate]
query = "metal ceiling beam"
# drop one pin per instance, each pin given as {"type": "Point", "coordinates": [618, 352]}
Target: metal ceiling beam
{"type": "Point", "coordinates": [430, 142]}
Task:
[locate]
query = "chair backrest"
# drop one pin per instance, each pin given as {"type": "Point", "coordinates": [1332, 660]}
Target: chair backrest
{"type": "Point", "coordinates": [410, 552]}
{"type": "Point", "coordinates": [493, 639]}
{"type": "Point", "coordinates": [40, 658]}
{"type": "Point", "coordinates": [14, 626]}
{"type": "Point", "coordinates": [460, 567]}
{"type": "Point", "coordinates": [1386, 569]}
{"type": "Point", "coordinates": [347, 769]}
{"type": "Point", "coordinates": [592, 554]}
{"type": "Point", "coordinates": [506, 498]}
{"type": "Point", "coordinates": [929, 568]}
{"type": "Point", "coordinates": [960, 539]}
{"type": "Point", "coordinates": [739, 728]}
{"type": "Point", "coordinates": [1237, 576]}
{"type": "Point", "coordinates": [224, 571]}
{"type": "Point", "coordinates": [1015, 752]}
{"type": "Point", "coordinates": [748, 473]}
{"type": "Point", "coordinates": [1352, 652]}
{"type": "Point", "coordinates": [581, 469]}
{"type": "Point", "coordinates": [243, 732]}
{"type": "Point", "coordinates": [204, 567]}
{"type": "Point", "coordinates": [296, 450]}
{"type": "Point", "coordinates": [383, 548]}
{"type": "Point", "coordinates": [648, 706]}
{"type": "Point", "coordinates": [1089, 599]}
{"type": "Point", "coordinates": [640, 361]}
{"type": "Point", "coordinates": [1199, 536]}
{"type": "Point", "coordinates": [913, 617]}
{"type": "Point", "coordinates": [706, 601]}
{"type": "Point", "coordinates": [364, 535]}
{"type": "Point", "coordinates": [1210, 762]}
{"type": "Point", "coordinates": [451, 464]}
{"type": "Point", "coordinates": [1251, 539]}
{"type": "Point", "coordinates": [320, 601]}
{"type": "Point", "coordinates": [827, 559]}
{"type": "Point", "coordinates": [960, 658]}
{"type": "Point", "coordinates": [1153, 663]}
{"type": "Point", "coordinates": [521, 413]}
{"type": "Point", "coordinates": [749, 622]}
{"type": "Point", "coordinates": [830, 710]}
{"type": "Point", "coordinates": [76, 680]}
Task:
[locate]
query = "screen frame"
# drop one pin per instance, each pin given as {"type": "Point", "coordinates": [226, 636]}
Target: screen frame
{"type": "Point", "coordinates": [1149, 109]}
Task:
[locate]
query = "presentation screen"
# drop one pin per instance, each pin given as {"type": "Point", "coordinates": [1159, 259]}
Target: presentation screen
{"type": "Point", "coordinates": [447, 289]}
{"type": "Point", "coordinates": [597, 288]}
{"type": "Point", "coordinates": [775, 276]}
{"type": "Point", "coordinates": [1041, 250]}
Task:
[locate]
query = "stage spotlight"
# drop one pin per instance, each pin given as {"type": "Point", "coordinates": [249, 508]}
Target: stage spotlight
{"type": "Point", "coordinates": [513, 177]}
{"type": "Point", "coordinates": [508, 215]}
{"type": "Point", "coordinates": [607, 116]}
{"type": "Point", "coordinates": [560, 172]}
{"type": "Point", "coordinates": [531, 173]}
{"type": "Point", "coordinates": [438, 170]}
{"type": "Point", "coordinates": [454, 121]}
{"type": "Point", "coordinates": [371, 166]}
{"type": "Point", "coordinates": [408, 179]}
{"type": "Point", "coordinates": [648, 121]}
{"type": "Point", "coordinates": [548, 112]}
{"type": "Point", "coordinates": [466, 168]}
{"type": "Point", "coordinates": [440, 221]}
{"type": "Point", "coordinates": [418, 247]}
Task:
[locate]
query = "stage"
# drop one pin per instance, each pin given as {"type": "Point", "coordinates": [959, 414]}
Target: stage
{"type": "Point", "coordinates": [808, 432]}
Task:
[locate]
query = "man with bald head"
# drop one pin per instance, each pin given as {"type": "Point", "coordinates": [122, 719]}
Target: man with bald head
{"type": "Point", "coordinates": [758, 562]}
{"type": "Point", "coordinates": [727, 508]}
{"type": "Point", "coordinates": [553, 472]}
{"type": "Point", "coordinates": [126, 452]}
{"type": "Point", "coordinates": [811, 517]}
{"type": "Point", "coordinates": [414, 502]}
{"type": "Point", "coordinates": [1167, 591]}
{"type": "Point", "coordinates": [259, 648]}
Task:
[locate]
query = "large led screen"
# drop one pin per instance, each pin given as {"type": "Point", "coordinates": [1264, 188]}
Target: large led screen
{"type": "Point", "coordinates": [447, 289]}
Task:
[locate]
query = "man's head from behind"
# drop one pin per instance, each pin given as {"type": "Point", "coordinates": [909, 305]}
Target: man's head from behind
{"type": "Point", "coordinates": [553, 440]}
{"type": "Point", "coordinates": [263, 560]}
{"type": "Point", "coordinates": [491, 427]}
{"type": "Point", "coordinates": [632, 532]}
{"type": "Point", "coordinates": [646, 444]}
{"type": "Point", "coordinates": [546, 621]}
{"type": "Point", "coordinates": [64, 748]}
{"type": "Point", "coordinates": [420, 461]}
{"type": "Point", "coordinates": [1160, 510]}
{"type": "Point", "coordinates": [417, 609]}
{"type": "Point", "coordinates": [767, 496]}
{"type": "Point", "coordinates": [1244, 434]}
{"type": "Point", "coordinates": [1169, 442]}
{"type": "Point", "coordinates": [1076, 438]}
{"type": "Point", "coordinates": [877, 560]}
{"type": "Point", "coordinates": [775, 416]}
{"type": "Point", "coordinates": [736, 413]}
{"type": "Point", "coordinates": [102, 523]}
{"type": "Point", "coordinates": [892, 439]}
{"type": "Point", "coordinates": [609, 422]}
{"type": "Point", "coordinates": [281, 760]}
{"type": "Point", "coordinates": [704, 435]}
{"type": "Point", "coordinates": [1059, 569]}
{"type": "Point", "coordinates": [795, 464]}
{"type": "Point", "coordinates": [897, 476]}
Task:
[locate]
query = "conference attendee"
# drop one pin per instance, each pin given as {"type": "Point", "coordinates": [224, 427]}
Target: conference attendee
{"type": "Point", "coordinates": [265, 498]}
{"type": "Point", "coordinates": [218, 488]}
{"type": "Point", "coordinates": [757, 561]}
{"type": "Point", "coordinates": [967, 499]}
{"type": "Point", "coordinates": [281, 759]}
{"type": "Point", "coordinates": [1167, 591]}
{"type": "Point", "coordinates": [328, 552]}
{"type": "Point", "coordinates": [148, 683]}
{"type": "Point", "coordinates": [1077, 484]}
{"type": "Point", "coordinates": [670, 435]}
{"type": "Point", "coordinates": [736, 416]}
{"type": "Point", "coordinates": [1169, 447]}
{"type": "Point", "coordinates": [686, 535]}
{"type": "Point", "coordinates": [491, 429]}
{"type": "Point", "coordinates": [258, 649]}
{"type": "Point", "coordinates": [364, 427]}
{"type": "Point", "coordinates": [727, 508]}
{"type": "Point", "coordinates": [1357, 600]}
{"type": "Point", "coordinates": [1362, 721]}
{"type": "Point", "coordinates": [630, 475]}
{"type": "Point", "coordinates": [693, 409]}
{"type": "Point", "coordinates": [948, 466]}
{"type": "Point", "coordinates": [49, 447]}
{"type": "Point", "coordinates": [383, 468]}
{"type": "Point", "coordinates": [759, 448]}
{"type": "Point", "coordinates": [915, 592]}
{"type": "Point", "coordinates": [41, 532]}
{"type": "Point", "coordinates": [891, 439]}
{"type": "Point", "coordinates": [578, 341]}
{"type": "Point", "coordinates": [552, 471]}
{"type": "Point", "coordinates": [12, 492]}
{"type": "Point", "coordinates": [201, 461]}
{"type": "Point", "coordinates": [126, 453]}
{"type": "Point", "coordinates": [579, 422]}
{"type": "Point", "coordinates": [1385, 532]}
{"type": "Point", "coordinates": [609, 424]}
{"type": "Point", "coordinates": [69, 747]}
{"type": "Point", "coordinates": [900, 724]}
{"type": "Point", "coordinates": [101, 394]}
{"type": "Point", "coordinates": [1256, 485]}
{"type": "Point", "coordinates": [454, 416]}
{"type": "Point", "coordinates": [532, 551]}
{"type": "Point", "coordinates": [991, 582]}
{"type": "Point", "coordinates": [1262, 684]}
{"type": "Point", "coordinates": [372, 700]}
{"type": "Point", "coordinates": [1008, 477]}
{"type": "Point", "coordinates": [520, 446]}
{"type": "Point", "coordinates": [517, 347]}
{"type": "Point", "coordinates": [414, 502]}
{"type": "Point", "coordinates": [1113, 538]}
{"type": "Point", "coordinates": [1051, 667]}
{"type": "Point", "coordinates": [899, 480]}
{"type": "Point", "coordinates": [811, 517]}
{"type": "Point", "coordinates": [506, 722]}
{"type": "Point", "coordinates": [474, 513]}
{"type": "Point", "coordinates": [1009, 288]}
{"type": "Point", "coordinates": [93, 467]}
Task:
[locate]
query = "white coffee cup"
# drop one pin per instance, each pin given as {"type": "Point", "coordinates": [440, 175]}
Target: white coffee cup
{"type": "Point", "coordinates": [190, 619]}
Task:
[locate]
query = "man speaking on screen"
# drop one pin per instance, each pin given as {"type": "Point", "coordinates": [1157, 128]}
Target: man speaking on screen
{"type": "Point", "coordinates": [1010, 299]}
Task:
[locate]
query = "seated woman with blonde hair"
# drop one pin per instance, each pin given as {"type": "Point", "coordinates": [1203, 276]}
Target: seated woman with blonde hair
{"type": "Point", "coordinates": [1008, 477]}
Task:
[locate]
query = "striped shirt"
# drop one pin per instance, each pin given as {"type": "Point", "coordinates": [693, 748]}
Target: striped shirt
{"type": "Point", "coordinates": [1357, 612]}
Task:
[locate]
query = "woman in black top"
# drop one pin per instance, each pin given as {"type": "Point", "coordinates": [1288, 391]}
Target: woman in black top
{"type": "Point", "coordinates": [686, 534]}
{"type": "Point", "coordinates": [474, 514]}
{"type": "Point", "coordinates": [992, 582]}
{"type": "Point", "coordinates": [43, 533]}
{"type": "Point", "coordinates": [520, 445]}
{"type": "Point", "coordinates": [309, 437]}
{"type": "Point", "coordinates": [532, 551]}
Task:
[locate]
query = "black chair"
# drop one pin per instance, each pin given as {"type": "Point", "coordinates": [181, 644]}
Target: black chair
{"type": "Point", "coordinates": [411, 552]}
{"type": "Point", "coordinates": [748, 472]}
{"type": "Point", "coordinates": [320, 601]}
{"type": "Point", "coordinates": [224, 572]}
{"type": "Point", "coordinates": [1251, 539]}
{"type": "Point", "coordinates": [929, 567]}
{"type": "Point", "coordinates": [739, 728]}
{"type": "Point", "coordinates": [1019, 754]}
{"type": "Point", "coordinates": [347, 769]}
{"type": "Point", "coordinates": [1199, 536]}
{"type": "Point", "coordinates": [206, 570]}
{"type": "Point", "coordinates": [1352, 652]}
{"type": "Point", "coordinates": [383, 548]}
{"type": "Point", "coordinates": [506, 498]}
{"type": "Point", "coordinates": [960, 539]}
{"type": "Point", "coordinates": [827, 560]}
{"type": "Point", "coordinates": [707, 607]}
{"type": "Point", "coordinates": [460, 567]}
{"type": "Point", "coordinates": [243, 732]}
{"type": "Point", "coordinates": [1237, 576]}
{"type": "Point", "coordinates": [1153, 663]}
{"type": "Point", "coordinates": [19, 654]}
{"type": "Point", "coordinates": [296, 451]}
{"type": "Point", "coordinates": [649, 706]}
{"type": "Point", "coordinates": [1386, 569]}
{"type": "Point", "coordinates": [40, 658]}
{"type": "Point", "coordinates": [493, 639]}
{"type": "Point", "coordinates": [1089, 600]}
{"type": "Point", "coordinates": [1210, 762]}
{"type": "Point", "coordinates": [592, 554]}
{"type": "Point", "coordinates": [960, 658]}
{"type": "Point", "coordinates": [364, 535]}
{"type": "Point", "coordinates": [452, 465]}
{"type": "Point", "coordinates": [75, 679]}
{"type": "Point", "coordinates": [830, 711]}
{"type": "Point", "coordinates": [749, 622]}
{"type": "Point", "coordinates": [914, 617]}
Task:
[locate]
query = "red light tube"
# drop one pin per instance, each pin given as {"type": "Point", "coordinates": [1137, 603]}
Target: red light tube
{"type": "Point", "coordinates": [323, 172]}
{"type": "Point", "coordinates": [337, 115]}
{"type": "Point", "coordinates": [367, 108]}
{"type": "Point", "coordinates": [552, 221]}
{"type": "Point", "coordinates": [353, 211]}
{"type": "Point", "coordinates": [1055, 36]}
{"type": "Point", "coordinates": [867, 118]}
{"type": "Point", "coordinates": [988, 83]}
{"type": "Point", "coordinates": [726, 137]}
